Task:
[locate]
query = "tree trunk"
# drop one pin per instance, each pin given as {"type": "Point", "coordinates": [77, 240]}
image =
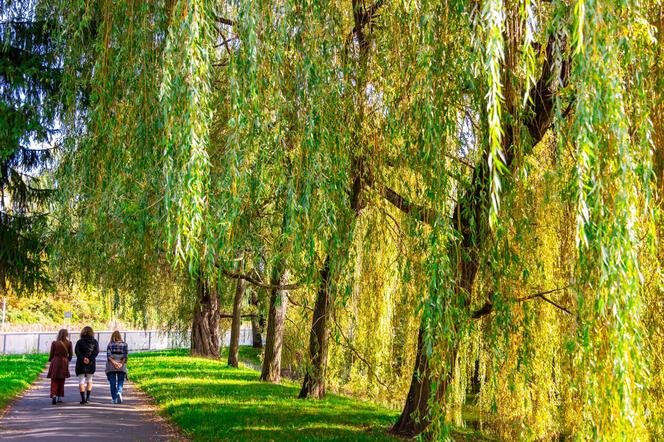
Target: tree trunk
{"type": "Point", "coordinates": [314, 380]}
{"type": "Point", "coordinates": [275, 328]}
{"type": "Point", "coordinates": [473, 207]}
{"type": "Point", "coordinates": [205, 325]}
{"type": "Point", "coordinates": [3, 295]}
{"type": "Point", "coordinates": [256, 324]}
{"type": "Point", "coordinates": [415, 416]}
{"type": "Point", "coordinates": [234, 348]}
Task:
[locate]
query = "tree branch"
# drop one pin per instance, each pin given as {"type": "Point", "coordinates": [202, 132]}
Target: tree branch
{"type": "Point", "coordinates": [226, 21]}
{"type": "Point", "coordinates": [487, 308]}
{"type": "Point", "coordinates": [368, 15]}
{"type": "Point", "coordinates": [460, 160]}
{"type": "Point", "coordinates": [423, 214]}
{"type": "Point", "coordinates": [229, 316]}
{"type": "Point", "coordinates": [257, 283]}
{"type": "Point", "coordinates": [362, 19]}
{"type": "Point", "coordinates": [226, 41]}
{"type": "Point", "coordinates": [540, 294]}
{"type": "Point", "coordinates": [297, 304]}
{"type": "Point", "coordinates": [544, 92]}
{"type": "Point", "coordinates": [556, 305]}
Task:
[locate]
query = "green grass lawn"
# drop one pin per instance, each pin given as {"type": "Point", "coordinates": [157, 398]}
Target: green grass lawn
{"type": "Point", "coordinates": [17, 372]}
{"type": "Point", "coordinates": [210, 401]}
{"type": "Point", "coordinates": [248, 355]}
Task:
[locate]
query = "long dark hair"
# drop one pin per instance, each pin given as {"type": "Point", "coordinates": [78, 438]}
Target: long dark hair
{"type": "Point", "coordinates": [62, 335]}
{"type": "Point", "coordinates": [87, 331]}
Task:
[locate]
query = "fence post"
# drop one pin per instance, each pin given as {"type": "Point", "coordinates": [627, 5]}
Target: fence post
{"type": "Point", "coordinates": [38, 341]}
{"type": "Point", "coordinates": [4, 344]}
{"type": "Point", "coordinates": [150, 340]}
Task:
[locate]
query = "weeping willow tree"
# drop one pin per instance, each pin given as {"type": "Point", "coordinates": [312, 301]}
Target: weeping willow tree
{"type": "Point", "coordinates": [111, 214]}
{"type": "Point", "coordinates": [461, 194]}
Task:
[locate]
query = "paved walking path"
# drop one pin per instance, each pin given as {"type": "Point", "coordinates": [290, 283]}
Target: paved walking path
{"type": "Point", "coordinates": [33, 417]}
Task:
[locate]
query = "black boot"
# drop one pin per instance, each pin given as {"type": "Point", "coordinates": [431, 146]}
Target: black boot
{"type": "Point", "coordinates": [87, 396]}
{"type": "Point", "coordinates": [54, 400]}
{"type": "Point", "coordinates": [82, 397]}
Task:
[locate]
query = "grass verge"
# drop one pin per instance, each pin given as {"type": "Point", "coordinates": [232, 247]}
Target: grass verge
{"type": "Point", "coordinates": [210, 401]}
{"type": "Point", "coordinates": [17, 372]}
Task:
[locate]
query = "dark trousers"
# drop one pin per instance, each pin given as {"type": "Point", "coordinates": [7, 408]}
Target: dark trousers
{"type": "Point", "coordinates": [116, 379]}
{"type": "Point", "coordinates": [57, 387]}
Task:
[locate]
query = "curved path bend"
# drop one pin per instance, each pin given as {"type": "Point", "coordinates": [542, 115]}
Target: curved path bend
{"type": "Point", "coordinates": [33, 417]}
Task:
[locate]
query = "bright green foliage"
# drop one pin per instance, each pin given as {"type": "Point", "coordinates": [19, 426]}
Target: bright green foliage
{"type": "Point", "coordinates": [17, 373]}
{"type": "Point", "coordinates": [613, 168]}
{"type": "Point", "coordinates": [185, 99]}
{"type": "Point", "coordinates": [494, 15]}
{"type": "Point", "coordinates": [111, 215]}
{"type": "Point", "coordinates": [451, 162]}
{"type": "Point", "coordinates": [210, 401]}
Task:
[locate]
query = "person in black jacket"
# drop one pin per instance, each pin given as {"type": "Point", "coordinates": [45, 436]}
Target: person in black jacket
{"type": "Point", "coordinates": [87, 349]}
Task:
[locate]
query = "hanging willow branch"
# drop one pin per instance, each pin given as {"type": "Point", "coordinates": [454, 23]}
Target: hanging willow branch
{"type": "Point", "coordinates": [282, 146]}
{"type": "Point", "coordinates": [352, 348]}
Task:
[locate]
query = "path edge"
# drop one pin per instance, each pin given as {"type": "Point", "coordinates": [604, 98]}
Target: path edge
{"type": "Point", "coordinates": [19, 396]}
{"type": "Point", "coordinates": [174, 430]}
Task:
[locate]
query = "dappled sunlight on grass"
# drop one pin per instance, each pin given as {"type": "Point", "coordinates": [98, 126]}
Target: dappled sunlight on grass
{"type": "Point", "coordinates": [193, 382]}
{"type": "Point", "coordinates": [211, 401]}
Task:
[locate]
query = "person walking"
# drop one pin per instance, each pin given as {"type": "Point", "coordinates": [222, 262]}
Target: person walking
{"type": "Point", "coordinates": [87, 349]}
{"type": "Point", "coordinates": [116, 365]}
{"type": "Point", "coordinates": [58, 370]}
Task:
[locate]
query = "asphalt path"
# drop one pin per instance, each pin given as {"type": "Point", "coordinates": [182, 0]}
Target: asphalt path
{"type": "Point", "coordinates": [34, 417]}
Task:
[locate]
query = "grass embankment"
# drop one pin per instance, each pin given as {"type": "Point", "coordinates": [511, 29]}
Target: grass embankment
{"type": "Point", "coordinates": [17, 372]}
{"type": "Point", "coordinates": [210, 401]}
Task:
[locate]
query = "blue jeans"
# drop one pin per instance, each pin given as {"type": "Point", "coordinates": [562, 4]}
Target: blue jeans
{"type": "Point", "coordinates": [116, 379]}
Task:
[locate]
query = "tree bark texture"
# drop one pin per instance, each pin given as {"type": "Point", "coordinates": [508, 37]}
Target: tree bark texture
{"type": "Point", "coordinates": [274, 340]}
{"type": "Point", "coordinates": [205, 339]}
{"type": "Point", "coordinates": [314, 380]}
{"type": "Point", "coordinates": [415, 416]}
{"type": "Point", "coordinates": [234, 347]}
{"type": "Point", "coordinates": [256, 324]}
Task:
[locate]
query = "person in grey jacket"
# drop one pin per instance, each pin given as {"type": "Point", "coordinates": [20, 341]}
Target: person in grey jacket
{"type": "Point", "coordinates": [116, 365]}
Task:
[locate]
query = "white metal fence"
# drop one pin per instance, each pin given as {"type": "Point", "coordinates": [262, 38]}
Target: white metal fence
{"type": "Point", "coordinates": [137, 340]}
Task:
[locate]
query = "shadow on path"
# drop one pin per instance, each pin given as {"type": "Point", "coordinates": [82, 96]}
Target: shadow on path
{"type": "Point", "coordinates": [33, 417]}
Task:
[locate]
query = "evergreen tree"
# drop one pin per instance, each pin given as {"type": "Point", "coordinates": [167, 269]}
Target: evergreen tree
{"type": "Point", "coordinates": [29, 80]}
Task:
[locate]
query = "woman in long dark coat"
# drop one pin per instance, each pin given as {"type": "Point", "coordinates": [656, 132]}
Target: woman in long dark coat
{"type": "Point", "coordinates": [59, 357]}
{"type": "Point", "coordinates": [87, 349]}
